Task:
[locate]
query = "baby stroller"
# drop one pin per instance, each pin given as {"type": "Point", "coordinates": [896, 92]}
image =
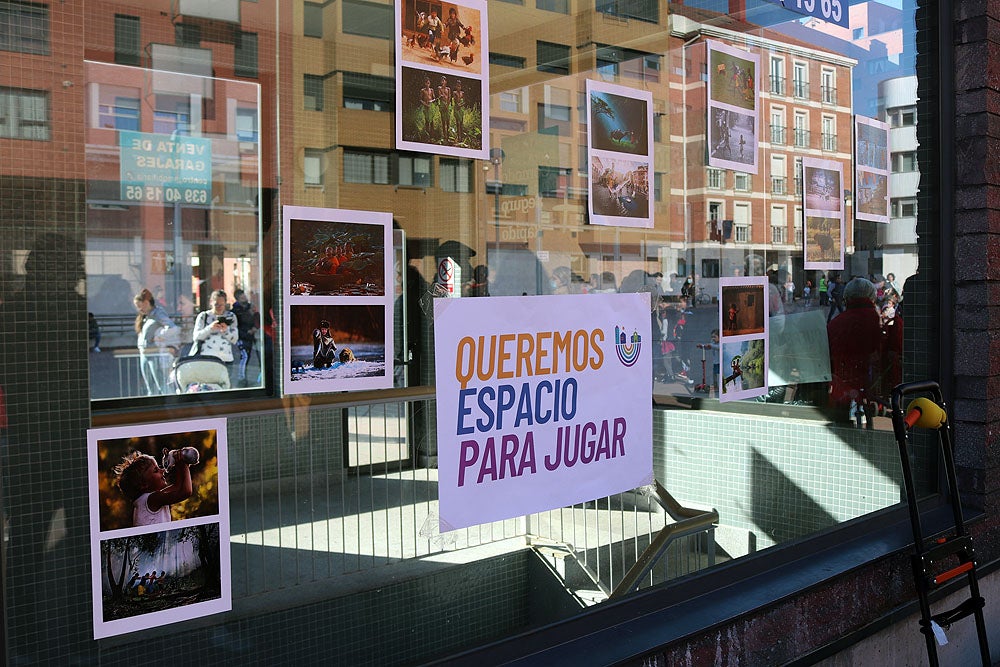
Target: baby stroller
{"type": "Point", "coordinates": [199, 373]}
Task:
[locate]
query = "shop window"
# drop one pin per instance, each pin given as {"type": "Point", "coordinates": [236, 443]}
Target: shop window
{"type": "Point", "coordinates": [312, 20]}
{"type": "Point", "coordinates": [455, 175]}
{"type": "Point", "coordinates": [24, 27]}
{"type": "Point", "coordinates": [552, 58]}
{"type": "Point", "coordinates": [368, 18]}
{"type": "Point", "coordinates": [128, 48]}
{"type": "Point", "coordinates": [24, 114]}
{"type": "Point", "coordinates": [312, 92]}
{"type": "Point", "coordinates": [246, 54]}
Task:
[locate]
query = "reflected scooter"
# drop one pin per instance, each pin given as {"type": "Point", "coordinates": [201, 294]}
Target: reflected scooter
{"type": "Point", "coordinates": [704, 387]}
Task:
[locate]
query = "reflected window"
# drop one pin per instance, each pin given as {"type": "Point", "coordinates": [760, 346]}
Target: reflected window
{"type": "Point", "coordinates": [119, 113]}
{"type": "Point", "coordinates": [24, 114]}
{"type": "Point", "coordinates": [172, 115]}
{"type": "Point", "coordinates": [643, 10]}
{"type": "Point", "coordinates": [312, 20]}
{"type": "Point", "coordinates": [312, 167]}
{"type": "Point", "coordinates": [368, 92]}
{"type": "Point", "coordinates": [904, 162]}
{"type": "Point", "coordinates": [561, 6]}
{"type": "Point", "coordinates": [128, 49]}
{"type": "Point", "coordinates": [505, 60]}
{"type": "Point", "coordinates": [246, 54]}
{"type": "Point", "coordinates": [414, 170]}
{"type": "Point", "coordinates": [312, 92]}
{"type": "Point", "coordinates": [456, 175]}
{"type": "Point", "coordinates": [368, 18]}
{"type": "Point", "coordinates": [552, 58]}
{"type": "Point", "coordinates": [246, 124]}
{"type": "Point", "coordinates": [24, 27]}
{"type": "Point", "coordinates": [364, 167]}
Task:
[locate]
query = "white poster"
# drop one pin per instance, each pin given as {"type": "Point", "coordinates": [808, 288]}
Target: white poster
{"type": "Point", "coordinates": [733, 107]}
{"type": "Point", "coordinates": [338, 300]}
{"type": "Point", "coordinates": [620, 152]}
{"type": "Point", "coordinates": [823, 234]}
{"type": "Point", "coordinates": [442, 78]}
{"type": "Point", "coordinates": [159, 524]}
{"type": "Point", "coordinates": [542, 402]}
{"type": "Point", "coordinates": [743, 329]}
{"type": "Point", "coordinates": [871, 174]}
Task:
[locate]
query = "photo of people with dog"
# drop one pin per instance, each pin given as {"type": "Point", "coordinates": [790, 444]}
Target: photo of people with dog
{"type": "Point", "coordinates": [337, 344]}
{"type": "Point", "coordinates": [446, 35]}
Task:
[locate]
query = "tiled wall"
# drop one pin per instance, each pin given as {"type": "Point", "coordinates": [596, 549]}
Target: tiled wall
{"type": "Point", "coordinates": [779, 479]}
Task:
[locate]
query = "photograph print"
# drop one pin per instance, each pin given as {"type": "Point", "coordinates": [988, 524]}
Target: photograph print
{"type": "Point", "coordinates": [150, 579]}
{"type": "Point", "coordinates": [743, 373]}
{"type": "Point", "coordinates": [824, 242]}
{"type": "Point", "coordinates": [618, 123]}
{"type": "Point", "coordinates": [440, 110]}
{"type": "Point", "coordinates": [872, 198]}
{"type": "Point", "coordinates": [871, 176]}
{"type": "Point", "coordinates": [447, 35]}
{"type": "Point", "coordinates": [159, 524]}
{"type": "Point", "coordinates": [823, 187]}
{"type": "Point", "coordinates": [872, 150]}
{"type": "Point", "coordinates": [144, 479]}
{"type": "Point", "coordinates": [442, 77]}
{"type": "Point", "coordinates": [733, 76]}
{"type": "Point", "coordinates": [338, 307]}
{"type": "Point", "coordinates": [337, 347]}
{"type": "Point", "coordinates": [743, 307]}
{"type": "Point", "coordinates": [619, 192]}
{"type": "Point", "coordinates": [337, 258]}
{"type": "Point", "coordinates": [732, 139]}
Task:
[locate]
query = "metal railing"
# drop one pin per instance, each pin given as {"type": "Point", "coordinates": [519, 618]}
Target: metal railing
{"type": "Point", "coordinates": [324, 499]}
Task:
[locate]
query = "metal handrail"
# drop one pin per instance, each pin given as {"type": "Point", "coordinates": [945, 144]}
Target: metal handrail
{"type": "Point", "coordinates": [687, 521]}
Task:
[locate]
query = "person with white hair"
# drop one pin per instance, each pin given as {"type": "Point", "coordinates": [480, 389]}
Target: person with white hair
{"type": "Point", "coordinates": [864, 357]}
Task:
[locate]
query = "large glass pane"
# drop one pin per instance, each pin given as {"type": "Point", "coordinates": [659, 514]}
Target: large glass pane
{"type": "Point", "coordinates": [173, 220]}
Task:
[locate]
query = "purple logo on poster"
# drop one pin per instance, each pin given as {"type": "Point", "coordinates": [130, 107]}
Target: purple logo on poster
{"type": "Point", "coordinates": [628, 349]}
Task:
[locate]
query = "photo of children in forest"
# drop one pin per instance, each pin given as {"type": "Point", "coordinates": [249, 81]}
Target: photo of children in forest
{"type": "Point", "coordinates": [162, 571]}
{"type": "Point", "coordinates": [441, 109]}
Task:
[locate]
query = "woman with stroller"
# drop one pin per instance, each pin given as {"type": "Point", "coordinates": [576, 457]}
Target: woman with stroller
{"type": "Point", "coordinates": [157, 336]}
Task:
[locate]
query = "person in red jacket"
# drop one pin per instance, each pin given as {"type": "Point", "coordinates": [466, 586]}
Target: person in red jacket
{"type": "Point", "coordinates": [864, 354]}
